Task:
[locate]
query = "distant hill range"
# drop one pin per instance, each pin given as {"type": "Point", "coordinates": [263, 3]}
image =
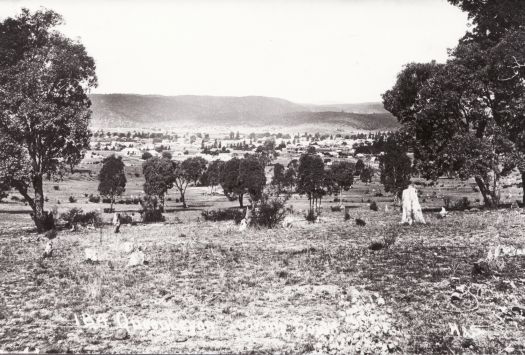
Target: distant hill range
{"type": "Point", "coordinates": [148, 111]}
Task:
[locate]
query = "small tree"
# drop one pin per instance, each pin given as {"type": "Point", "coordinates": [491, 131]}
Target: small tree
{"type": "Point", "coordinates": [146, 155]}
{"type": "Point", "coordinates": [158, 173]}
{"type": "Point", "coordinates": [112, 178]}
{"type": "Point", "coordinates": [243, 176]}
{"type": "Point", "coordinates": [311, 179]}
{"type": "Point", "coordinates": [359, 166]}
{"type": "Point", "coordinates": [44, 105]}
{"type": "Point", "coordinates": [252, 178]}
{"type": "Point", "coordinates": [367, 174]}
{"type": "Point", "coordinates": [189, 171]}
{"type": "Point", "coordinates": [278, 179]}
{"type": "Point", "coordinates": [211, 177]}
{"type": "Point", "coordinates": [229, 180]}
{"type": "Point", "coordinates": [395, 170]}
{"type": "Point", "coordinates": [342, 174]}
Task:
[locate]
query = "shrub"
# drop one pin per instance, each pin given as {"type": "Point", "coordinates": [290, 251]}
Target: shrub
{"type": "Point", "coordinates": [373, 206]}
{"type": "Point", "coordinates": [310, 216]}
{"type": "Point", "coordinates": [337, 199]}
{"type": "Point", "coordinates": [72, 199]}
{"type": "Point", "coordinates": [151, 210]}
{"type": "Point", "coordinates": [15, 198]}
{"type": "Point", "coordinates": [150, 216]}
{"type": "Point", "coordinates": [269, 213]}
{"type": "Point", "coordinates": [447, 201]}
{"type": "Point", "coordinates": [94, 199]}
{"type": "Point", "coordinates": [108, 210]}
{"type": "Point", "coordinates": [126, 219]}
{"type": "Point", "coordinates": [347, 216]}
{"type": "Point", "coordinates": [234, 214]}
{"type": "Point", "coordinates": [56, 187]}
{"type": "Point", "coordinates": [106, 200]}
{"type": "Point", "coordinates": [76, 216]}
{"type": "Point", "coordinates": [335, 208]}
{"type": "Point", "coordinates": [462, 204]}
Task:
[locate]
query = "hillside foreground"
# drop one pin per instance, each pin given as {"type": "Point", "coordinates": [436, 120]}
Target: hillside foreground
{"type": "Point", "coordinates": [207, 287]}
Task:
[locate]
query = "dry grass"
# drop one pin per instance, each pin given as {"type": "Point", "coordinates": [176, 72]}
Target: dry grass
{"type": "Point", "coordinates": [315, 287]}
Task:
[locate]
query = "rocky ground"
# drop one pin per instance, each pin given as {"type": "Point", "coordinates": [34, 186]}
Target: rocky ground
{"type": "Point", "coordinates": [206, 287]}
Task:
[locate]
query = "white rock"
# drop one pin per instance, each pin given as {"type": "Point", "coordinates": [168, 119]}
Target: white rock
{"type": "Point", "coordinates": [136, 258]}
{"type": "Point", "coordinates": [128, 247]}
{"type": "Point", "coordinates": [443, 212]}
{"type": "Point", "coordinates": [243, 225]}
{"type": "Point", "coordinates": [287, 222]}
{"type": "Point", "coordinates": [92, 254]}
{"type": "Point", "coordinates": [48, 252]}
{"type": "Point", "coordinates": [411, 208]}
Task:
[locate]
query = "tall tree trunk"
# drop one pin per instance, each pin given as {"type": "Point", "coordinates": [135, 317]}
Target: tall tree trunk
{"type": "Point", "coordinates": [241, 198]}
{"type": "Point", "coordinates": [43, 220]}
{"type": "Point", "coordinates": [484, 192]}
{"type": "Point", "coordinates": [183, 200]}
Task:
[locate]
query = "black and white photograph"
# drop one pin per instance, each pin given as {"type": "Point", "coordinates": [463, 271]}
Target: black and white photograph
{"type": "Point", "coordinates": [262, 176]}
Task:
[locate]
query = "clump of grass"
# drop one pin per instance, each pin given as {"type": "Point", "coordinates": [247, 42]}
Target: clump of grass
{"type": "Point", "coordinates": [94, 289]}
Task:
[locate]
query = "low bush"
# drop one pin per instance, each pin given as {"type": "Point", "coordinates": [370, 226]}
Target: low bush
{"type": "Point", "coordinates": [310, 216]}
{"type": "Point", "coordinates": [106, 200]}
{"type": "Point", "coordinates": [108, 210]}
{"type": "Point", "coordinates": [56, 187]}
{"type": "Point", "coordinates": [230, 214]}
{"type": "Point", "coordinates": [337, 199]}
{"type": "Point", "coordinates": [151, 210]}
{"type": "Point", "coordinates": [76, 216]}
{"type": "Point", "coordinates": [373, 206]}
{"type": "Point", "coordinates": [151, 216]}
{"type": "Point", "coordinates": [94, 199]}
{"type": "Point", "coordinates": [462, 204]}
{"type": "Point", "coordinates": [336, 208]}
{"type": "Point", "coordinates": [72, 199]}
{"type": "Point", "coordinates": [269, 213]}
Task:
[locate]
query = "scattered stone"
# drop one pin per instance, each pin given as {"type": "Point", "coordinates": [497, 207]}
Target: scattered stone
{"type": "Point", "coordinates": [456, 296]}
{"type": "Point", "coordinates": [376, 246]}
{"type": "Point", "coordinates": [360, 222]}
{"type": "Point", "coordinates": [92, 254]}
{"type": "Point", "coordinates": [481, 268]}
{"type": "Point", "coordinates": [287, 222]}
{"type": "Point", "coordinates": [128, 247]}
{"type": "Point", "coordinates": [443, 213]}
{"type": "Point", "coordinates": [121, 334]}
{"type": "Point", "coordinates": [243, 225]}
{"type": "Point", "coordinates": [48, 252]}
{"type": "Point", "coordinates": [412, 212]}
{"type": "Point", "coordinates": [136, 258]}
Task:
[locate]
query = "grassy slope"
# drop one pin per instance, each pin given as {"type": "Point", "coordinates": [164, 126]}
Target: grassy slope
{"type": "Point", "coordinates": [254, 288]}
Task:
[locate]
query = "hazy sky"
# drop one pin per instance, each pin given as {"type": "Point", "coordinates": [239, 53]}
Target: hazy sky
{"type": "Point", "coordinates": [311, 51]}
